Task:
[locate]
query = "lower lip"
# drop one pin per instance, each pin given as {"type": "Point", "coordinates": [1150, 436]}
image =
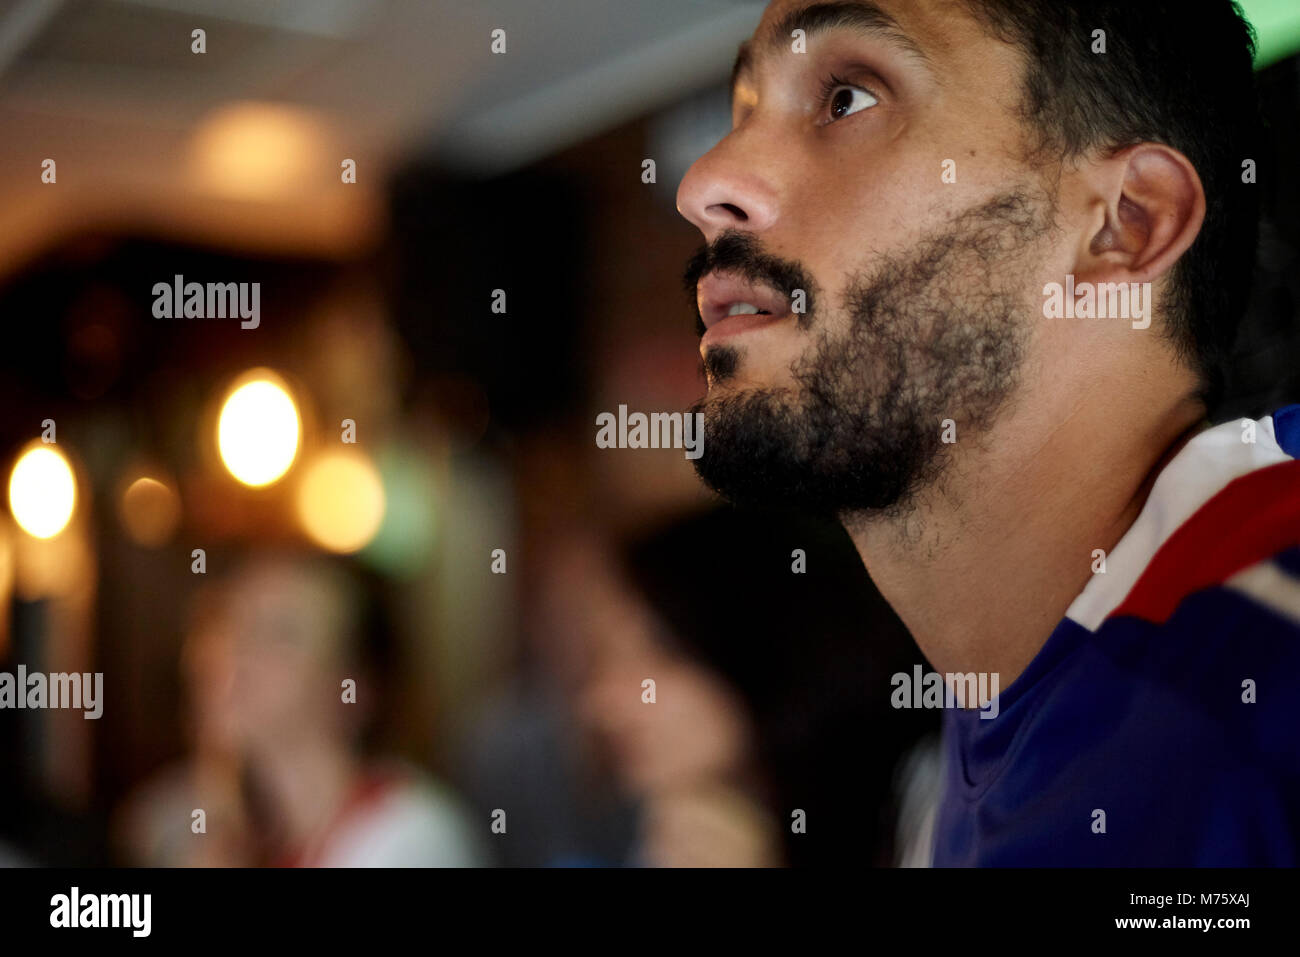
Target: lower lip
{"type": "Point", "coordinates": [730, 326]}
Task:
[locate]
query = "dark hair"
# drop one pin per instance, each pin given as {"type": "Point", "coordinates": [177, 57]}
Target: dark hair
{"type": "Point", "coordinates": [1177, 72]}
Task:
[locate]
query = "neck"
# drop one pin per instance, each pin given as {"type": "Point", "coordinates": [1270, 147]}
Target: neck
{"type": "Point", "coordinates": [985, 565]}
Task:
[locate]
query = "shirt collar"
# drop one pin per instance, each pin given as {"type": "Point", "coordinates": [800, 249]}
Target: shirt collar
{"type": "Point", "coordinates": [1200, 470]}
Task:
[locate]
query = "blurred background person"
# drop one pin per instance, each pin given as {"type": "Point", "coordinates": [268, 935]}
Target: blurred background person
{"type": "Point", "coordinates": [770, 740]}
{"type": "Point", "coordinates": [285, 668]}
{"type": "Point", "coordinates": [756, 601]}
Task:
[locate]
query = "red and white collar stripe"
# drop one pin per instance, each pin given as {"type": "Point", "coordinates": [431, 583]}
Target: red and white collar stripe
{"type": "Point", "coordinates": [1195, 484]}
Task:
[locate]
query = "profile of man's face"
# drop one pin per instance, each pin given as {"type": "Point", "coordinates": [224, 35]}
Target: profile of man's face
{"type": "Point", "coordinates": [876, 174]}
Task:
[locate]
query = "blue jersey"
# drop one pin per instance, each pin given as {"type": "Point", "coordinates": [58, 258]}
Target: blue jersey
{"type": "Point", "coordinates": [1160, 723]}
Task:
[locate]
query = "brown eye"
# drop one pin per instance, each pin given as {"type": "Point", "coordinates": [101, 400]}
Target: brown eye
{"type": "Point", "coordinates": [847, 100]}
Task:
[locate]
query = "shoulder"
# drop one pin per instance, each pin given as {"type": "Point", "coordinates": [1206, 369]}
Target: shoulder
{"type": "Point", "coordinates": [413, 821]}
{"type": "Point", "coordinates": [1240, 533]}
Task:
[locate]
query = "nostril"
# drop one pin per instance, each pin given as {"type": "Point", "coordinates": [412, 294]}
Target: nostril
{"type": "Point", "coordinates": [735, 212]}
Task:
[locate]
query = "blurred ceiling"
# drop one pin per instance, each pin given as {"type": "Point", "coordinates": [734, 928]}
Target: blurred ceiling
{"type": "Point", "coordinates": [242, 144]}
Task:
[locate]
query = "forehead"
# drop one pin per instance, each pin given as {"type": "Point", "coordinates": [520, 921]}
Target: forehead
{"type": "Point", "coordinates": [933, 31]}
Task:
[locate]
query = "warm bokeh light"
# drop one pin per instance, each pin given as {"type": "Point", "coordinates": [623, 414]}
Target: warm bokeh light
{"type": "Point", "coordinates": [150, 511]}
{"type": "Point", "coordinates": [258, 430]}
{"type": "Point", "coordinates": [341, 501]}
{"type": "Point", "coordinates": [258, 150]}
{"type": "Point", "coordinates": [42, 492]}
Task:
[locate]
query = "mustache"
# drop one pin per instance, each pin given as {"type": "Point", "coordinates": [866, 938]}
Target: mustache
{"type": "Point", "coordinates": [742, 253]}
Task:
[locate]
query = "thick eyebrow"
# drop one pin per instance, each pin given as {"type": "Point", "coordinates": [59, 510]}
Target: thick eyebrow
{"type": "Point", "coordinates": [860, 15]}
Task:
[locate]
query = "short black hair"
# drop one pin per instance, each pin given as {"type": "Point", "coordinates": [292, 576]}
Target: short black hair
{"type": "Point", "coordinates": [1177, 72]}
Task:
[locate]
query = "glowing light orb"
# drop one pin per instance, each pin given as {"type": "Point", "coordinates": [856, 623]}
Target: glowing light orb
{"type": "Point", "coordinates": [340, 501]}
{"type": "Point", "coordinates": [258, 431]}
{"type": "Point", "coordinates": [42, 492]}
{"type": "Point", "coordinates": [150, 511]}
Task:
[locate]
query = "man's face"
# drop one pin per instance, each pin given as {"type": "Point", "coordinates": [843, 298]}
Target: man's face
{"type": "Point", "coordinates": [878, 179]}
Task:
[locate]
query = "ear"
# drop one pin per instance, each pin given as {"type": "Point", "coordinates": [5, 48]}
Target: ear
{"type": "Point", "coordinates": [1147, 208]}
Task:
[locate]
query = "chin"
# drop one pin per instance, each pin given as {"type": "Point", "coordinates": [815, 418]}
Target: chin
{"type": "Point", "coordinates": [740, 383]}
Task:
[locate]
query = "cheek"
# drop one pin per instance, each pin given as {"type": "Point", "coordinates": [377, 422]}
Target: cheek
{"type": "Point", "coordinates": [277, 681]}
{"type": "Point", "coordinates": [1056, 353]}
{"type": "Point", "coordinates": [865, 200]}
{"type": "Point", "coordinates": [859, 203]}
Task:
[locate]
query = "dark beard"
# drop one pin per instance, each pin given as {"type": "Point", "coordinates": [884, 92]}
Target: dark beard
{"type": "Point", "coordinates": [935, 333]}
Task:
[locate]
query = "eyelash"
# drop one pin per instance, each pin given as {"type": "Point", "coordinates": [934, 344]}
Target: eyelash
{"type": "Point", "coordinates": [833, 82]}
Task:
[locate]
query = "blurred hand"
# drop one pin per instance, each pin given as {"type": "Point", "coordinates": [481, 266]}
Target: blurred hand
{"type": "Point", "coordinates": [696, 730]}
{"type": "Point", "coordinates": [228, 841]}
{"type": "Point", "coordinates": [708, 826]}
